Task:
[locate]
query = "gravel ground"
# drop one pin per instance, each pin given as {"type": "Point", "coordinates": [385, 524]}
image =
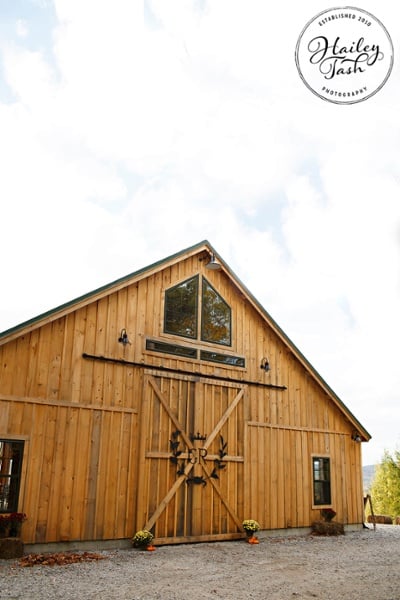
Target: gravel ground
{"type": "Point", "coordinates": [358, 566]}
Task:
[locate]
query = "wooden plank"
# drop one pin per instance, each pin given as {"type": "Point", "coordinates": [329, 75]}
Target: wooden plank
{"type": "Point", "coordinates": [223, 419]}
{"type": "Point", "coordinates": [103, 492]}
{"type": "Point", "coordinates": [99, 369]}
{"type": "Point", "coordinates": [44, 476]}
{"type": "Point", "coordinates": [33, 345]}
{"type": "Point", "coordinates": [87, 373]}
{"type": "Point", "coordinates": [94, 435]}
{"type": "Point", "coordinates": [224, 500]}
{"type": "Point", "coordinates": [76, 358]}
{"type": "Point", "coordinates": [300, 519]}
{"type": "Point", "coordinates": [168, 497]}
{"type": "Point", "coordinates": [36, 464]}
{"type": "Point", "coordinates": [55, 354]}
{"type": "Point", "coordinates": [66, 404]}
{"type": "Point", "coordinates": [261, 466]}
{"type": "Point", "coordinates": [142, 471]}
{"type": "Point", "coordinates": [171, 415]}
{"type": "Point", "coordinates": [113, 325]}
{"type": "Point", "coordinates": [292, 428]}
{"type": "Point", "coordinates": [151, 308]}
{"type": "Point", "coordinates": [80, 486]}
{"type": "Point", "coordinates": [122, 491]}
{"type": "Point", "coordinates": [112, 466]}
{"type": "Point", "coordinates": [20, 358]}
{"type": "Point", "coordinates": [132, 477]}
{"type": "Point", "coordinates": [67, 476]}
{"type": "Point", "coordinates": [273, 469]}
{"type": "Point", "coordinates": [140, 321]}
{"type": "Point", "coordinates": [7, 366]}
{"type": "Point", "coordinates": [281, 475]}
{"type": "Point", "coordinates": [4, 417]}
{"type": "Point", "coordinates": [66, 359]}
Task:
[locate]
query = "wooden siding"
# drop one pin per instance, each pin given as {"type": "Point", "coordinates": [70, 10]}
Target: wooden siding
{"type": "Point", "coordinates": [88, 425]}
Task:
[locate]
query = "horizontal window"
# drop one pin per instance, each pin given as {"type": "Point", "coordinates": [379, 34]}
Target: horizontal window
{"type": "Point", "coordinates": [171, 349]}
{"type": "Point", "coordinates": [235, 361]}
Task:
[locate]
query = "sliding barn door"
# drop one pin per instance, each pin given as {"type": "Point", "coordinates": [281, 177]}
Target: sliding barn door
{"type": "Point", "coordinates": [191, 460]}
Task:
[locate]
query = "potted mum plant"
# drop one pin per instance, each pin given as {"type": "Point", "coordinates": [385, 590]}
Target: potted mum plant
{"type": "Point", "coordinates": [251, 526]}
{"type": "Point", "coordinates": [143, 539]}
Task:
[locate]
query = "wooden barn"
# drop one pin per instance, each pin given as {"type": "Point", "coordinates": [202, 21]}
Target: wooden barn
{"type": "Point", "coordinates": [169, 400]}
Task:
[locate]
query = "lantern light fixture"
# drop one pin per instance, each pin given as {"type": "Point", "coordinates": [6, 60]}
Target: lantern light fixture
{"type": "Point", "coordinates": [265, 364]}
{"type": "Point", "coordinates": [123, 338]}
{"type": "Point", "coordinates": [213, 264]}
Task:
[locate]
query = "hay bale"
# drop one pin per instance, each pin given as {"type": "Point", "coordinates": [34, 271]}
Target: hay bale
{"type": "Point", "coordinates": [11, 548]}
{"type": "Point", "coordinates": [381, 519]}
{"type": "Point", "coordinates": [327, 528]}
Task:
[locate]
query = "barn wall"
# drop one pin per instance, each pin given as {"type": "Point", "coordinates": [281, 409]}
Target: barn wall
{"type": "Point", "coordinates": [80, 417]}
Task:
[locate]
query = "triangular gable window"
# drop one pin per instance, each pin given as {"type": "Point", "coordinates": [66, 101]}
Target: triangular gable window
{"type": "Point", "coordinates": [215, 317]}
{"type": "Point", "coordinates": [182, 309]}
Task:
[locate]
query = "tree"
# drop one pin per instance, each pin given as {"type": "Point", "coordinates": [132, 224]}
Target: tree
{"type": "Point", "coordinates": [385, 487]}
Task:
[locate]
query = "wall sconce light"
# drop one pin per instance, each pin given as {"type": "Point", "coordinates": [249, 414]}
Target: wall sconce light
{"type": "Point", "coordinates": [355, 436]}
{"type": "Point", "coordinates": [213, 264]}
{"type": "Point", "coordinates": [265, 364]}
{"type": "Point", "coordinates": [123, 338]}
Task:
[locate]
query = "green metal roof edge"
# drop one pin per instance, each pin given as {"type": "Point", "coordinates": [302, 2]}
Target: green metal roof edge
{"type": "Point", "coordinates": [102, 288]}
{"type": "Point", "coordinates": [158, 263]}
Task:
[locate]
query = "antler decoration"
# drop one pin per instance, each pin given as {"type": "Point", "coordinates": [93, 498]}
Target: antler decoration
{"type": "Point", "coordinates": [218, 464]}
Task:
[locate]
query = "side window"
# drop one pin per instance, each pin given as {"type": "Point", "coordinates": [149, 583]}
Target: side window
{"type": "Point", "coordinates": [321, 480]}
{"type": "Point", "coordinates": [180, 316]}
{"type": "Point", "coordinates": [11, 453]}
{"type": "Point", "coordinates": [215, 317]}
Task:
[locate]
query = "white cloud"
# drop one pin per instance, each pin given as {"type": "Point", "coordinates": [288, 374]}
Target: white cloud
{"type": "Point", "coordinates": [22, 29]}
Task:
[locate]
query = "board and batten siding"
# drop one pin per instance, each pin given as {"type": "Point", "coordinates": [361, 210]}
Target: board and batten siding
{"type": "Point", "coordinates": [83, 426]}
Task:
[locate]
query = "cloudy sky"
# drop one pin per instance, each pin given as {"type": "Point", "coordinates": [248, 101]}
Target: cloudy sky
{"type": "Point", "coordinates": [130, 130]}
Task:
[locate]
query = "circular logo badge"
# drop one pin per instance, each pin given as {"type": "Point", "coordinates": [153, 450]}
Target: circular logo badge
{"type": "Point", "coordinates": [344, 55]}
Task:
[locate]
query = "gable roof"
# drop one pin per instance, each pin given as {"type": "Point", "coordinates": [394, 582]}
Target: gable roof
{"type": "Point", "coordinates": [205, 246]}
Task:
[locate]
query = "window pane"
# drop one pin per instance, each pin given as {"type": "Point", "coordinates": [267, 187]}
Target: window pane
{"type": "Point", "coordinates": [10, 472]}
{"type": "Point", "coordinates": [181, 309]}
{"type": "Point", "coordinates": [322, 481]}
{"type": "Point", "coordinates": [236, 361]}
{"type": "Point", "coordinates": [171, 348]}
{"type": "Point", "coordinates": [216, 317]}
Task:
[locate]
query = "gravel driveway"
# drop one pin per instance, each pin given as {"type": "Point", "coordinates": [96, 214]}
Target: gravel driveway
{"type": "Point", "coordinates": [358, 566]}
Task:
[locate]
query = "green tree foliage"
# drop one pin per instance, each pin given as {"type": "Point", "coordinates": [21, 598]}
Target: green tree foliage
{"type": "Point", "coordinates": [215, 317]}
{"type": "Point", "coordinates": [181, 308]}
{"type": "Point", "coordinates": [385, 487]}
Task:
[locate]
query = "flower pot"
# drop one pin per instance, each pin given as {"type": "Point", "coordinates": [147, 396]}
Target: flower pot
{"type": "Point", "coordinates": [253, 540]}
